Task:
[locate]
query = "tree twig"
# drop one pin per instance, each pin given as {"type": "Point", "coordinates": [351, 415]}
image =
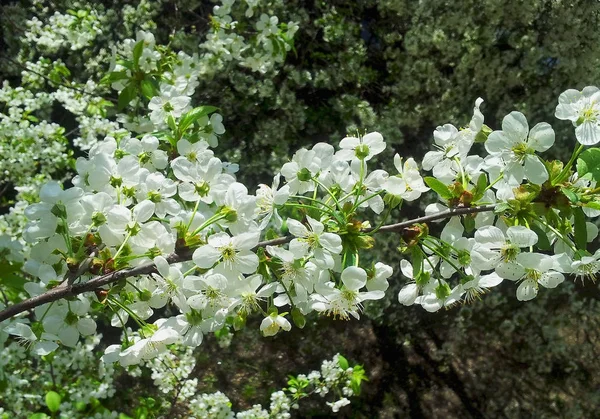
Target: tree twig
{"type": "Point", "coordinates": [49, 80]}
{"type": "Point", "coordinates": [68, 289]}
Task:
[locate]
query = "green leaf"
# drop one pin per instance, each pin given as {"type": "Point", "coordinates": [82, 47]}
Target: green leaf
{"type": "Point", "coordinates": [276, 47]}
{"type": "Point", "coordinates": [543, 243]}
{"type": "Point", "coordinates": [53, 401]}
{"type": "Point", "coordinates": [11, 280]}
{"type": "Point", "coordinates": [358, 375]}
{"type": "Point", "coordinates": [588, 164]}
{"type": "Point", "coordinates": [298, 318]}
{"type": "Point", "coordinates": [469, 223]}
{"type": "Point", "coordinates": [437, 186]}
{"type": "Point", "coordinates": [572, 196]}
{"type": "Point", "coordinates": [502, 207]}
{"type": "Point", "coordinates": [239, 322]}
{"type": "Point", "coordinates": [113, 77]}
{"type": "Point", "coordinates": [126, 96]}
{"type": "Point", "coordinates": [593, 205]}
{"type": "Point", "coordinates": [9, 268]}
{"type": "Point", "coordinates": [38, 416]}
{"type": "Point", "coordinates": [149, 89]}
{"type": "Point", "coordinates": [137, 53]}
{"type": "Point", "coordinates": [192, 116]}
{"type": "Point", "coordinates": [343, 363]}
{"type": "Point", "coordinates": [580, 229]}
{"type": "Point", "coordinates": [271, 234]}
{"type": "Point", "coordinates": [81, 406]}
{"type": "Point", "coordinates": [171, 123]}
{"type": "Point", "coordinates": [480, 187]}
{"type": "Point", "coordinates": [417, 261]}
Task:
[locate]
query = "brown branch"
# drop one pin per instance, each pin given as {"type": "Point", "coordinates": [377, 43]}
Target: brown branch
{"type": "Point", "coordinates": [67, 289]}
{"type": "Point", "coordinates": [433, 217]}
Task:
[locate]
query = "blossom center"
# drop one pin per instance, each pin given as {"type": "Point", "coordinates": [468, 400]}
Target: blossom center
{"type": "Point", "coordinates": [202, 188]}
{"type": "Point", "coordinates": [154, 196]}
{"type": "Point", "coordinates": [98, 218]}
{"type": "Point", "coordinates": [168, 107]}
{"type": "Point", "coordinates": [533, 274]}
{"type": "Point", "coordinates": [361, 151]}
{"type": "Point", "coordinates": [228, 253]}
{"type": "Point", "coordinates": [509, 252]}
{"type": "Point", "coordinates": [521, 150]}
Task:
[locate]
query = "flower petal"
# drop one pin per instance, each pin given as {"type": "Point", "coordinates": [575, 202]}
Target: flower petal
{"type": "Point", "coordinates": [354, 278]}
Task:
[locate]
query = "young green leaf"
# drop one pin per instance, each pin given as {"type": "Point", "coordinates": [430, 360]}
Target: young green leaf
{"type": "Point", "coordinates": [343, 363]}
{"type": "Point", "coordinates": [441, 189]}
{"type": "Point", "coordinates": [469, 223]}
{"type": "Point", "coordinates": [126, 96]}
{"type": "Point", "coordinates": [192, 116]}
{"type": "Point", "coordinates": [479, 190]}
{"type": "Point", "coordinates": [149, 89]}
{"type": "Point", "coordinates": [588, 164]}
{"type": "Point", "coordinates": [298, 318]}
{"type": "Point", "coordinates": [53, 401]}
{"type": "Point", "coordinates": [543, 243]}
{"type": "Point", "coordinates": [138, 49]}
{"type": "Point", "coordinates": [417, 261]}
{"type": "Point", "coordinates": [171, 123]}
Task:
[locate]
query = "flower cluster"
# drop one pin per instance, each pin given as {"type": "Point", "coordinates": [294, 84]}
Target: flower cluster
{"type": "Point", "coordinates": [84, 386]}
{"type": "Point", "coordinates": [141, 200]}
{"type": "Point", "coordinates": [159, 227]}
{"type": "Point", "coordinates": [24, 139]}
{"type": "Point", "coordinates": [547, 210]}
{"type": "Point", "coordinates": [76, 373]}
{"type": "Point", "coordinates": [75, 29]}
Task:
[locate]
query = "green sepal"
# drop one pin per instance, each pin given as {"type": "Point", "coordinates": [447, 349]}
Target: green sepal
{"type": "Point", "coordinates": [239, 322]}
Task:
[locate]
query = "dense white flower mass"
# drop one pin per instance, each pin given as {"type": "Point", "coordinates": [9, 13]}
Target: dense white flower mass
{"type": "Point", "coordinates": [132, 204]}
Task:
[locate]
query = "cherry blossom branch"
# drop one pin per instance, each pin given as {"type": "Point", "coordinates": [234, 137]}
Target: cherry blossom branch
{"type": "Point", "coordinates": [68, 289]}
{"type": "Point", "coordinates": [453, 212]}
